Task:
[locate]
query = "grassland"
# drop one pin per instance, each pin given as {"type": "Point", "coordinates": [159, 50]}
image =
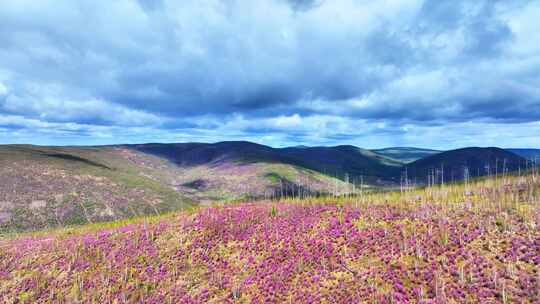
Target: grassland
{"type": "Point", "coordinates": [46, 187]}
{"type": "Point", "coordinates": [474, 242]}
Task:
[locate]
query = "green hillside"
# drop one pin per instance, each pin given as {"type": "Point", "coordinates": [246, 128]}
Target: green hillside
{"type": "Point", "coordinates": [52, 186]}
{"type": "Point", "coordinates": [59, 186]}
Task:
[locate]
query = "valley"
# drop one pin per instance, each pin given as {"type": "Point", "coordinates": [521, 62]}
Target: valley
{"type": "Point", "coordinates": [46, 187]}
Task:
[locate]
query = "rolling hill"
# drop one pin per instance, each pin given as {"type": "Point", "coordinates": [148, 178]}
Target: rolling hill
{"type": "Point", "coordinates": [58, 186]}
{"type": "Point", "coordinates": [344, 160]}
{"type": "Point", "coordinates": [456, 164]}
{"type": "Point", "coordinates": [193, 154]}
{"type": "Point", "coordinates": [339, 161]}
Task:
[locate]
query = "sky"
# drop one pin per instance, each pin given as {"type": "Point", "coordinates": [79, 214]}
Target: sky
{"type": "Point", "coordinates": [441, 74]}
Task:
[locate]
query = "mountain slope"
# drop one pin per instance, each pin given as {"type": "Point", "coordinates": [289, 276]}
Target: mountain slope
{"type": "Point", "coordinates": [336, 161]}
{"type": "Point", "coordinates": [57, 186]}
{"type": "Point", "coordinates": [192, 154]}
{"type": "Point", "coordinates": [454, 165]}
{"type": "Point", "coordinates": [343, 160]}
{"type": "Point", "coordinates": [405, 154]}
{"type": "Point", "coordinates": [530, 154]}
{"type": "Point", "coordinates": [52, 186]}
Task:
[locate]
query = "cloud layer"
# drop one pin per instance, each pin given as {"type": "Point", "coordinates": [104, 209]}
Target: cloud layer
{"type": "Point", "coordinates": [371, 73]}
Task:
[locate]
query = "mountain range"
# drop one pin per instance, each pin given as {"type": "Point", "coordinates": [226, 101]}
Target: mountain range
{"type": "Point", "coordinates": [350, 162]}
{"type": "Point", "coordinates": [57, 186]}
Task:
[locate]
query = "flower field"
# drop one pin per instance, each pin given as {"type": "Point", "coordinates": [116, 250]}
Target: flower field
{"type": "Point", "coordinates": [387, 248]}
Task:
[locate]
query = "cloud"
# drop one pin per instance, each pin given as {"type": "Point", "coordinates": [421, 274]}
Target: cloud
{"type": "Point", "coordinates": [303, 5]}
{"type": "Point", "coordinates": [286, 67]}
{"type": "Point", "coordinates": [3, 90]}
{"type": "Point", "coordinates": [150, 5]}
{"type": "Point", "coordinates": [48, 103]}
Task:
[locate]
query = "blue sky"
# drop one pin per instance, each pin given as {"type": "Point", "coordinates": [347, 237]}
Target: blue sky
{"type": "Point", "coordinates": [441, 74]}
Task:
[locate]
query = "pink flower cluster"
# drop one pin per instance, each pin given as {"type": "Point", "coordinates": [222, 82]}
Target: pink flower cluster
{"type": "Point", "coordinates": [284, 253]}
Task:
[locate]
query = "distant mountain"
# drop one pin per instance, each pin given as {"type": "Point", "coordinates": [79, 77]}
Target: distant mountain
{"type": "Point", "coordinates": [343, 160]}
{"type": "Point", "coordinates": [193, 154]}
{"type": "Point", "coordinates": [454, 164]}
{"type": "Point", "coordinates": [530, 154]}
{"type": "Point", "coordinates": [336, 161]}
{"type": "Point", "coordinates": [405, 154]}
{"type": "Point", "coordinates": [56, 186]}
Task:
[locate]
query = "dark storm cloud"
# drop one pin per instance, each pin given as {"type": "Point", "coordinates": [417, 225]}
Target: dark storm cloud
{"type": "Point", "coordinates": [184, 65]}
{"type": "Point", "coordinates": [484, 33]}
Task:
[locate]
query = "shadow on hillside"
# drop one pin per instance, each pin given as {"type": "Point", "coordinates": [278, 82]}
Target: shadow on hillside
{"type": "Point", "coordinates": [74, 158]}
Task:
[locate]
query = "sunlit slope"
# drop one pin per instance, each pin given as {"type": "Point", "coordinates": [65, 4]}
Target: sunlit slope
{"type": "Point", "coordinates": [58, 186]}
{"type": "Point", "coordinates": [51, 186]}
